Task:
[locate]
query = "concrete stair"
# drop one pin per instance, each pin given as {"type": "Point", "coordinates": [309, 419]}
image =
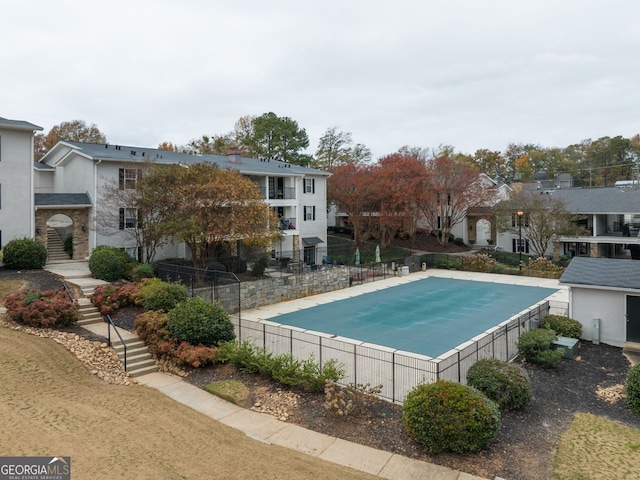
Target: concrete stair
{"type": "Point", "coordinates": [139, 360]}
{"type": "Point", "coordinates": [55, 247]}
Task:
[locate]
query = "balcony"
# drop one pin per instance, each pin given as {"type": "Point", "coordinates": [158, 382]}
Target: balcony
{"type": "Point", "coordinates": [286, 193]}
{"type": "Point", "coordinates": [288, 224]}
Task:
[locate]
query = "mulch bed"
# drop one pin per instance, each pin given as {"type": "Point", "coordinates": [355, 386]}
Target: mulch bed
{"type": "Point", "coordinates": [525, 446]}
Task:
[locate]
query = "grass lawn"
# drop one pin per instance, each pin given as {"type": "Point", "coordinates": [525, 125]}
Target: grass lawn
{"type": "Point", "coordinates": [9, 286]}
{"type": "Point", "coordinates": [593, 448]}
{"type": "Point", "coordinates": [50, 405]}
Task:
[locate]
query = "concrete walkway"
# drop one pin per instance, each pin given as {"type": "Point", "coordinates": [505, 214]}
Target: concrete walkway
{"type": "Point", "coordinates": [266, 428]}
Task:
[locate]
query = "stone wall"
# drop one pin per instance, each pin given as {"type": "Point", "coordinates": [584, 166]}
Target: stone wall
{"type": "Point", "coordinates": [279, 289]}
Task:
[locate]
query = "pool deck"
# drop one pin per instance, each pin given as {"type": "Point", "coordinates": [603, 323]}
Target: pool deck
{"type": "Point", "coordinates": [270, 311]}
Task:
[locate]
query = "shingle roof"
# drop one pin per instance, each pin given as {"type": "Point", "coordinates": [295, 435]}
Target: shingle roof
{"type": "Point", "coordinates": [62, 200]}
{"type": "Point", "coordinates": [246, 165]}
{"type": "Point", "coordinates": [598, 200]}
{"type": "Point", "coordinates": [18, 124]}
{"type": "Point", "coordinates": [603, 272]}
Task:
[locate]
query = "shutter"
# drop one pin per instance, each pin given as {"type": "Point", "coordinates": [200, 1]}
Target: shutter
{"type": "Point", "coordinates": [121, 178]}
{"type": "Point", "coordinates": [138, 219]}
{"type": "Point", "coordinates": [122, 219]}
{"type": "Point", "coordinates": [314, 213]}
{"type": "Point", "coordinates": [313, 186]}
{"type": "Point", "coordinates": [514, 247]}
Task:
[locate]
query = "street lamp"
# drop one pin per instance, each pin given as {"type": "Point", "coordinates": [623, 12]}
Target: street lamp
{"type": "Point", "coordinates": [520, 213]}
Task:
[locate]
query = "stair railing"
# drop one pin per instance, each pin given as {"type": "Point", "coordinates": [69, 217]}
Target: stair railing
{"type": "Point", "coordinates": [124, 344]}
{"type": "Point", "coordinates": [66, 289]}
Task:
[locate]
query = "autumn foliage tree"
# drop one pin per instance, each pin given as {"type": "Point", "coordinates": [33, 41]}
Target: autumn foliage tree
{"type": "Point", "coordinates": [214, 209]}
{"type": "Point", "coordinates": [448, 190]}
{"type": "Point", "coordinates": [353, 189]}
{"type": "Point", "coordinates": [73, 131]}
{"type": "Point", "coordinates": [399, 180]}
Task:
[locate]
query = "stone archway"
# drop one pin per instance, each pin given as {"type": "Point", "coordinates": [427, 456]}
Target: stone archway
{"type": "Point", "coordinates": [79, 219]}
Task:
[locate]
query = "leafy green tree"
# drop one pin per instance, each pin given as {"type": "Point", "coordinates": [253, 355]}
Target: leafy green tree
{"type": "Point", "coordinates": [336, 148]}
{"type": "Point", "coordinates": [544, 217]}
{"type": "Point", "coordinates": [277, 138]}
{"type": "Point", "coordinates": [210, 145]}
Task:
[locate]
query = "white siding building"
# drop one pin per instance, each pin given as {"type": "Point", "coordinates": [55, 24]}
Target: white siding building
{"type": "Point", "coordinates": [80, 172]}
{"type": "Point", "coordinates": [16, 179]}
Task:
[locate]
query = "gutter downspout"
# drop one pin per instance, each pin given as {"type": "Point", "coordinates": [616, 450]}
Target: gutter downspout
{"type": "Point", "coordinates": [94, 220]}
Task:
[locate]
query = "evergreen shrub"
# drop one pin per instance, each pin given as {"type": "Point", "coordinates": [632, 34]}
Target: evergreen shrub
{"type": "Point", "coordinates": [200, 323]}
{"type": "Point", "coordinates": [450, 417]}
{"type": "Point", "coordinates": [505, 383]}
{"type": "Point", "coordinates": [24, 253]}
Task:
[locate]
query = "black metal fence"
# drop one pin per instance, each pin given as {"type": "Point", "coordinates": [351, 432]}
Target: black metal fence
{"type": "Point", "coordinates": [399, 372]}
{"type": "Point", "coordinates": [205, 283]}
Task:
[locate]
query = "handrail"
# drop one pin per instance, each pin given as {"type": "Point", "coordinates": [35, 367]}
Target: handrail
{"type": "Point", "coordinates": [66, 288]}
{"type": "Point", "coordinates": [109, 325]}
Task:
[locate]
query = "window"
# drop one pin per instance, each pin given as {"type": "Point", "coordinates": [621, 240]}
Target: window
{"type": "Point", "coordinates": [309, 185]}
{"type": "Point", "coordinates": [128, 218]}
{"type": "Point", "coordinates": [520, 245]}
{"type": "Point", "coordinates": [128, 178]}
{"type": "Point", "coordinates": [514, 220]}
{"type": "Point", "coordinates": [309, 214]}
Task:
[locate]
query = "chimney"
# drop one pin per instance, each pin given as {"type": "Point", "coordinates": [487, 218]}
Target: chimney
{"type": "Point", "coordinates": [234, 156]}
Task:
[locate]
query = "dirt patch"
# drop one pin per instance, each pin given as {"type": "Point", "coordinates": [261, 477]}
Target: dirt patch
{"type": "Point", "coordinates": [51, 405]}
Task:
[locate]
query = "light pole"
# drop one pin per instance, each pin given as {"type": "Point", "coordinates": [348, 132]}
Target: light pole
{"type": "Point", "coordinates": [520, 213]}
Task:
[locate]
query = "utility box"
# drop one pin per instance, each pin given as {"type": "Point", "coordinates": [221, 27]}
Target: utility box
{"type": "Point", "coordinates": [595, 331]}
{"type": "Point", "coordinates": [405, 271]}
{"type": "Point", "coordinates": [568, 346]}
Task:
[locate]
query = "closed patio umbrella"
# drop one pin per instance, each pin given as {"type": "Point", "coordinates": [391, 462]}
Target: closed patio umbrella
{"type": "Point", "coordinates": [357, 259]}
{"type": "Point", "coordinates": [378, 260]}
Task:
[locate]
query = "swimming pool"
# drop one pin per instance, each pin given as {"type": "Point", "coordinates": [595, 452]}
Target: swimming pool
{"type": "Point", "coordinates": [428, 316]}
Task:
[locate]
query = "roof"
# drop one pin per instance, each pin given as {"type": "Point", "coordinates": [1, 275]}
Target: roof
{"type": "Point", "coordinates": [598, 200]}
{"type": "Point", "coordinates": [44, 167]}
{"type": "Point", "coordinates": [18, 124]}
{"type": "Point", "coordinates": [246, 165]}
{"type": "Point", "coordinates": [603, 272]}
{"type": "Point", "coordinates": [62, 200]}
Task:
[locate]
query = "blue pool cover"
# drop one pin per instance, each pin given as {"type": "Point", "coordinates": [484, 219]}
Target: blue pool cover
{"type": "Point", "coordinates": [429, 316]}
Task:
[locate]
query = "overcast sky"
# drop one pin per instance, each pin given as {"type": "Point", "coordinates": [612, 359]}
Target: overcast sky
{"type": "Point", "coordinates": [467, 73]}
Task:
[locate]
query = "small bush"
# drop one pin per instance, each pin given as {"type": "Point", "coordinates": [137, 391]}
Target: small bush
{"type": "Point", "coordinates": [633, 389]}
{"type": "Point", "coordinates": [535, 347]}
{"type": "Point", "coordinates": [447, 416]}
{"type": "Point", "coordinates": [109, 298]}
{"type": "Point", "coordinates": [200, 322]}
{"type": "Point", "coordinates": [24, 253]}
{"type": "Point", "coordinates": [195, 356]}
{"type": "Point", "coordinates": [233, 264]}
{"type": "Point", "coordinates": [246, 356]}
{"type": "Point", "coordinates": [162, 296]}
{"type": "Point", "coordinates": [504, 383]}
{"type": "Point", "coordinates": [152, 329]}
{"type": "Point", "coordinates": [459, 242]}
{"type": "Point", "coordinates": [259, 267]}
{"type": "Point", "coordinates": [142, 271]}
{"type": "Point", "coordinates": [563, 326]}
{"type": "Point", "coordinates": [109, 263]}
{"type": "Point", "coordinates": [315, 376]}
{"type": "Point", "coordinates": [344, 401]}
{"type": "Point", "coordinates": [68, 245]}
{"type": "Point", "coordinates": [48, 309]}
